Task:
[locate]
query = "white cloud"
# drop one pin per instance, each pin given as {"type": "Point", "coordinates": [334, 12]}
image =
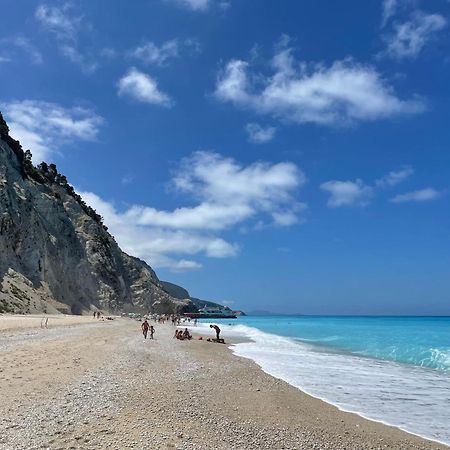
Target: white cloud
{"type": "Point", "coordinates": [422, 195]}
{"type": "Point", "coordinates": [243, 191]}
{"type": "Point", "coordinates": [297, 92]}
{"type": "Point", "coordinates": [347, 193]}
{"type": "Point", "coordinates": [409, 38]}
{"type": "Point", "coordinates": [66, 28]}
{"type": "Point", "coordinates": [357, 193]}
{"type": "Point", "coordinates": [395, 177]}
{"type": "Point", "coordinates": [259, 134]}
{"type": "Point", "coordinates": [200, 5]}
{"type": "Point", "coordinates": [150, 53]}
{"type": "Point", "coordinates": [389, 8]}
{"type": "Point", "coordinates": [203, 216]}
{"type": "Point", "coordinates": [143, 88]}
{"type": "Point", "coordinates": [58, 21]}
{"type": "Point", "coordinates": [184, 265]}
{"type": "Point", "coordinates": [74, 55]}
{"type": "Point", "coordinates": [25, 45]}
{"type": "Point", "coordinates": [196, 5]}
{"type": "Point", "coordinates": [287, 218]}
{"type": "Point", "coordinates": [160, 247]}
{"type": "Point", "coordinates": [43, 127]}
{"type": "Point", "coordinates": [227, 195]}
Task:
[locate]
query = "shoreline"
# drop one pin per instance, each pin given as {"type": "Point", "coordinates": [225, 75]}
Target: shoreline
{"type": "Point", "coordinates": [235, 341]}
{"type": "Point", "coordinates": [341, 409]}
{"type": "Point", "coordinates": [105, 387]}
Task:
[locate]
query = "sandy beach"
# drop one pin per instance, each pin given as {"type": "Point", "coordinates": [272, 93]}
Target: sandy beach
{"type": "Point", "coordinates": [35, 321]}
{"type": "Point", "coordinates": [86, 384]}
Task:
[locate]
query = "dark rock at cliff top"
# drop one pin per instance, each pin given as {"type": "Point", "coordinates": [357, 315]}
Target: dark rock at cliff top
{"type": "Point", "coordinates": [55, 252]}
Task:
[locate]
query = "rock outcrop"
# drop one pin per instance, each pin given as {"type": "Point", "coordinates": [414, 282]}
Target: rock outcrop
{"type": "Point", "coordinates": [181, 293]}
{"type": "Point", "coordinates": [55, 252]}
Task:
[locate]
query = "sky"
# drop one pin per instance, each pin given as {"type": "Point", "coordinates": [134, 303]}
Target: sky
{"type": "Point", "coordinates": [288, 156]}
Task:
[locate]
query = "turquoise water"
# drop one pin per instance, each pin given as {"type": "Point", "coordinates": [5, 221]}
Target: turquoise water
{"type": "Point", "coordinates": [395, 370]}
{"type": "Point", "coordinates": [422, 341]}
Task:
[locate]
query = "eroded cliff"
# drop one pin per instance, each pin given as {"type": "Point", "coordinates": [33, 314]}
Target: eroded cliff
{"type": "Point", "coordinates": [55, 252]}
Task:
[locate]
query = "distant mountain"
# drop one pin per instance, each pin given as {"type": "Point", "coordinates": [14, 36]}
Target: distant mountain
{"type": "Point", "coordinates": [260, 312]}
{"type": "Point", "coordinates": [269, 313]}
{"type": "Point", "coordinates": [206, 304]}
{"type": "Point", "coordinates": [55, 252]}
{"type": "Point", "coordinates": [175, 291]}
{"type": "Point", "coordinates": [182, 294]}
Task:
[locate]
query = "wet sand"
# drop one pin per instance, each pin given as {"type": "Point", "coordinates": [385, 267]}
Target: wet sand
{"type": "Point", "coordinates": [99, 385]}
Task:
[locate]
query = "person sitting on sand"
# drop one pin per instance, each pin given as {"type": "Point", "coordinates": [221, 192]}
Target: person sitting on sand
{"type": "Point", "coordinates": [152, 331]}
{"type": "Point", "coordinates": [217, 331]}
{"type": "Point", "coordinates": [145, 326]}
{"type": "Point", "coordinates": [180, 335]}
{"type": "Point", "coordinates": [186, 334]}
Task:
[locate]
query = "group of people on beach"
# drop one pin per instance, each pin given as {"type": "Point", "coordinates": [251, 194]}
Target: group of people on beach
{"type": "Point", "coordinates": [180, 334]}
{"type": "Point", "coordinates": [146, 328]}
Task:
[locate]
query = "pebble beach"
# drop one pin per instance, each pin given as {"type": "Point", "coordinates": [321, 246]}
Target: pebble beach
{"type": "Point", "coordinates": [90, 384]}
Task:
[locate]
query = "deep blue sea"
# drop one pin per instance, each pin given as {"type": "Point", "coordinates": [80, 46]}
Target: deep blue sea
{"type": "Point", "coordinates": [391, 369]}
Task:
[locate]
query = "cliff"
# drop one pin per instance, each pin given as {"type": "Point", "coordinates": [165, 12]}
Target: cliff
{"type": "Point", "coordinates": [181, 293]}
{"type": "Point", "coordinates": [55, 252]}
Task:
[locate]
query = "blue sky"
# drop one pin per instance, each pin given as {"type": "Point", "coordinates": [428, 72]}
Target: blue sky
{"type": "Point", "coordinates": [290, 156]}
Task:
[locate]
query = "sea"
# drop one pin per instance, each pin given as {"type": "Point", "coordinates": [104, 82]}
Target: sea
{"type": "Point", "coordinates": [394, 370]}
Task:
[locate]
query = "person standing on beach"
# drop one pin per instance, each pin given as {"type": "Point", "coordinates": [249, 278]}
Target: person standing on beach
{"type": "Point", "coordinates": [217, 331]}
{"type": "Point", "coordinates": [152, 331]}
{"type": "Point", "coordinates": [145, 326]}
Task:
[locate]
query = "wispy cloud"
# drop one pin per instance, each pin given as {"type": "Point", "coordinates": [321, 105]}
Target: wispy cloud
{"type": "Point", "coordinates": [66, 28]}
{"type": "Point", "coordinates": [408, 39]}
{"type": "Point", "coordinates": [389, 8]}
{"type": "Point", "coordinates": [347, 193]}
{"type": "Point", "coordinates": [395, 177]}
{"type": "Point", "coordinates": [422, 195]}
{"type": "Point", "coordinates": [184, 265]}
{"type": "Point", "coordinates": [342, 93]}
{"type": "Point", "coordinates": [24, 45]}
{"type": "Point", "coordinates": [259, 134]}
{"type": "Point", "coordinates": [200, 5]}
{"type": "Point", "coordinates": [227, 195]}
{"type": "Point", "coordinates": [149, 53]}
{"type": "Point", "coordinates": [357, 193]}
{"type": "Point", "coordinates": [44, 127]}
{"type": "Point", "coordinates": [58, 21]}
{"type": "Point", "coordinates": [127, 179]}
{"type": "Point", "coordinates": [142, 87]}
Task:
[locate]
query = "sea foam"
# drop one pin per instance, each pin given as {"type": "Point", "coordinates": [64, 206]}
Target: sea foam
{"type": "Point", "coordinates": [410, 397]}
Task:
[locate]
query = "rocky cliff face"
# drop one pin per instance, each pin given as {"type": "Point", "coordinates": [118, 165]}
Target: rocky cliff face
{"type": "Point", "coordinates": [55, 253]}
